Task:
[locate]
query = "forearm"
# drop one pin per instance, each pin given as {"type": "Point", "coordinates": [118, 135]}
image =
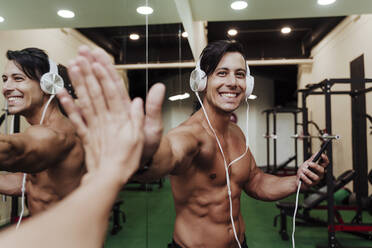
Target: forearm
{"type": "Point", "coordinates": [88, 208]}
{"type": "Point", "coordinates": [156, 166]}
{"type": "Point", "coordinates": [272, 188]}
{"type": "Point", "coordinates": [11, 184]}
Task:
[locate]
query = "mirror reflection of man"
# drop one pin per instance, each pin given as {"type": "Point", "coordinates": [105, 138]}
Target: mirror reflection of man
{"type": "Point", "coordinates": [51, 154]}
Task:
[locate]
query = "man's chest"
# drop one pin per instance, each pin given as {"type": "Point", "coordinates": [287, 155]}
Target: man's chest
{"type": "Point", "coordinates": [215, 166]}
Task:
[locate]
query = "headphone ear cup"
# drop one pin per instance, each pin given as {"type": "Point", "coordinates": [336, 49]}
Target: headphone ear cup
{"type": "Point", "coordinates": [250, 85]}
{"type": "Point", "coordinates": [51, 83]}
{"type": "Point", "coordinates": [198, 80]}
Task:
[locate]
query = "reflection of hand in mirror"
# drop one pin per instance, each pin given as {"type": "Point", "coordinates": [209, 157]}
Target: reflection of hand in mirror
{"type": "Point", "coordinates": [110, 125]}
{"type": "Point", "coordinates": [153, 126]}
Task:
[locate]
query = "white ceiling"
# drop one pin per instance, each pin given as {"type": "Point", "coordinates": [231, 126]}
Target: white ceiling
{"type": "Point", "coordinates": [21, 14]}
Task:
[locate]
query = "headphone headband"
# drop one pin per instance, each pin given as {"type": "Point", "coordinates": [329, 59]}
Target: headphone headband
{"type": "Point", "coordinates": [50, 82]}
{"type": "Point", "coordinates": [53, 68]}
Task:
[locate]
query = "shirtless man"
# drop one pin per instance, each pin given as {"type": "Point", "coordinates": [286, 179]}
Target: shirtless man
{"type": "Point", "coordinates": [190, 154]}
{"type": "Point", "coordinates": [51, 154]}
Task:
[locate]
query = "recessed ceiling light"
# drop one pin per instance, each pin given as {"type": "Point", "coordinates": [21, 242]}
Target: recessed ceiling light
{"type": "Point", "coordinates": [238, 5]}
{"type": "Point", "coordinates": [286, 30]}
{"type": "Point", "coordinates": [252, 97]}
{"type": "Point", "coordinates": [185, 34]}
{"type": "Point", "coordinates": [232, 32]}
{"type": "Point", "coordinates": [145, 10]}
{"type": "Point", "coordinates": [2, 19]}
{"type": "Point", "coordinates": [326, 2]}
{"type": "Point", "coordinates": [134, 36]}
{"type": "Point", "coordinates": [179, 97]}
{"type": "Point", "coordinates": [66, 13]}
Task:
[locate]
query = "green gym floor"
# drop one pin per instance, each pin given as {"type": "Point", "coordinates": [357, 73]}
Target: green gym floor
{"type": "Point", "coordinates": [150, 216]}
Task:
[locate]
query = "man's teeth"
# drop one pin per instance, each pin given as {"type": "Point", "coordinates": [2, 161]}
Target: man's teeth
{"type": "Point", "coordinates": [13, 98]}
{"type": "Point", "coordinates": [229, 94]}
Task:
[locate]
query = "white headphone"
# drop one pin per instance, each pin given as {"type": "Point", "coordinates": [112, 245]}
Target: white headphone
{"type": "Point", "coordinates": [51, 82]}
{"type": "Point", "coordinates": [198, 80]}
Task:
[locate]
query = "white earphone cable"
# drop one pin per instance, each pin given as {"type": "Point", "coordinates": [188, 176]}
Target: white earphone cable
{"type": "Point", "coordinates": [225, 163]}
{"type": "Point", "coordinates": [25, 174]}
{"type": "Point", "coordinates": [295, 213]}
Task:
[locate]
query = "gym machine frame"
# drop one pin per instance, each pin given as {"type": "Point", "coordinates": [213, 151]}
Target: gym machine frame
{"type": "Point", "coordinates": [269, 136]}
{"type": "Point", "coordinates": [359, 148]}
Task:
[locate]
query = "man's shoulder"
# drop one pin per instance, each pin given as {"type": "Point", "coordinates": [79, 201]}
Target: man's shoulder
{"type": "Point", "coordinates": [56, 134]}
{"type": "Point", "coordinates": [188, 127]}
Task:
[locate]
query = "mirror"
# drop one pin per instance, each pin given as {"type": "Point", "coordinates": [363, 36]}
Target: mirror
{"type": "Point", "coordinates": [318, 47]}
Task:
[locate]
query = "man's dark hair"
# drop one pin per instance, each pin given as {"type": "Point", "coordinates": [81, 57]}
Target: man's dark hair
{"type": "Point", "coordinates": [34, 62]}
{"type": "Point", "coordinates": [214, 51]}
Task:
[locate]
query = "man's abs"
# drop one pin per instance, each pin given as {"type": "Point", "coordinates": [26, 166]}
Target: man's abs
{"type": "Point", "coordinates": [194, 231]}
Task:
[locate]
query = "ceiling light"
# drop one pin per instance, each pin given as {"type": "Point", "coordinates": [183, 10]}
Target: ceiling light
{"type": "Point", "coordinates": [185, 34]}
{"type": "Point", "coordinates": [238, 5]}
{"type": "Point", "coordinates": [66, 13]}
{"type": "Point", "coordinates": [286, 30]}
{"type": "Point", "coordinates": [2, 19]}
{"type": "Point", "coordinates": [326, 2]}
{"type": "Point", "coordinates": [134, 36]}
{"type": "Point", "coordinates": [232, 32]}
{"type": "Point", "coordinates": [252, 97]}
{"type": "Point", "coordinates": [179, 97]}
{"type": "Point", "coordinates": [145, 10]}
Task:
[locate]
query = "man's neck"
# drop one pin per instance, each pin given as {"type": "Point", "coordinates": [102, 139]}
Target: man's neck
{"type": "Point", "coordinates": [219, 120]}
{"type": "Point", "coordinates": [51, 113]}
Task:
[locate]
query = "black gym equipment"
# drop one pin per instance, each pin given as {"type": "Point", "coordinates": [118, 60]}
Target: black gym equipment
{"type": "Point", "coordinates": [357, 93]}
{"type": "Point", "coordinates": [116, 212]}
{"type": "Point", "coordinates": [275, 168]}
{"type": "Point", "coordinates": [312, 202]}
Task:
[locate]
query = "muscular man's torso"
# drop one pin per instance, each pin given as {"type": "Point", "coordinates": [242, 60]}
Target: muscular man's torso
{"type": "Point", "coordinates": [200, 191]}
{"type": "Point", "coordinates": [51, 185]}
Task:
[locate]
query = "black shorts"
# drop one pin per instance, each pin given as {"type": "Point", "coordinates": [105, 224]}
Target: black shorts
{"type": "Point", "coordinates": [175, 245]}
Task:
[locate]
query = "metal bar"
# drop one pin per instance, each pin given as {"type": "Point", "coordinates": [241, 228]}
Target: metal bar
{"type": "Point", "coordinates": [340, 80]}
{"type": "Point", "coordinates": [332, 242]}
{"type": "Point", "coordinates": [333, 93]}
{"type": "Point", "coordinates": [274, 133]}
{"type": "Point", "coordinates": [312, 87]}
{"type": "Point", "coordinates": [359, 133]}
{"type": "Point", "coordinates": [14, 210]}
{"type": "Point", "coordinates": [295, 142]}
{"type": "Point", "coordinates": [305, 127]}
{"type": "Point", "coordinates": [363, 91]}
{"type": "Point", "coordinates": [268, 141]}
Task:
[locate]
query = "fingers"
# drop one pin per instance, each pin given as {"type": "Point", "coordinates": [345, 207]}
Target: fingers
{"type": "Point", "coordinates": [112, 98]}
{"type": "Point", "coordinates": [137, 114]}
{"type": "Point", "coordinates": [77, 80]}
{"type": "Point", "coordinates": [311, 158]}
{"type": "Point", "coordinates": [73, 112]}
{"type": "Point", "coordinates": [102, 57]}
{"type": "Point", "coordinates": [324, 161]}
{"type": "Point", "coordinates": [154, 102]}
{"type": "Point", "coordinates": [85, 52]}
{"type": "Point", "coordinates": [311, 173]}
{"type": "Point", "coordinates": [92, 85]}
{"type": "Point", "coordinates": [305, 179]}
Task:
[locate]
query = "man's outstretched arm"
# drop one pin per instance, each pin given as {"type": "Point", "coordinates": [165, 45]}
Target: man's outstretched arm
{"type": "Point", "coordinates": [161, 154]}
{"type": "Point", "coordinates": [34, 150]}
{"type": "Point", "coordinates": [268, 187]}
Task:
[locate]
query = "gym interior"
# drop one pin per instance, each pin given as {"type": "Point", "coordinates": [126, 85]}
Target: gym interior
{"type": "Point", "coordinates": [312, 66]}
